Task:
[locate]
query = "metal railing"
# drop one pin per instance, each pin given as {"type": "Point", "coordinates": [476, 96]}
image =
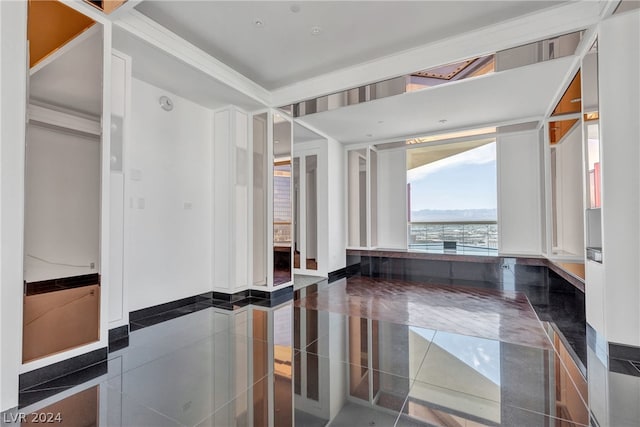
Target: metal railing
{"type": "Point", "coordinates": [467, 236]}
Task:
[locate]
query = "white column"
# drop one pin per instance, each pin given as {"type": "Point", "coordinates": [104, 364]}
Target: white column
{"type": "Point", "coordinates": [13, 73]}
{"type": "Point", "coordinates": [612, 302]}
{"type": "Point", "coordinates": [231, 161]}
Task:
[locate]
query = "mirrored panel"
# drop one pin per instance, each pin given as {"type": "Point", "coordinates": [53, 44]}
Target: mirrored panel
{"type": "Point", "coordinates": [282, 201]}
{"type": "Point", "coordinates": [296, 204]}
{"type": "Point", "coordinates": [260, 171]}
{"type": "Point", "coordinates": [62, 180]}
{"type": "Point", "coordinates": [311, 211]}
{"type": "Point", "coordinates": [357, 192]}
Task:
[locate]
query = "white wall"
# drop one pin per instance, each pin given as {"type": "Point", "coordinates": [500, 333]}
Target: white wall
{"type": "Point", "coordinates": [337, 232]}
{"type": "Point", "coordinates": [392, 199]}
{"type": "Point", "coordinates": [619, 89]}
{"type": "Point", "coordinates": [569, 193]}
{"type": "Point", "coordinates": [519, 221]}
{"type": "Point", "coordinates": [168, 230]}
{"type": "Point", "coordinates": [62, 204]}
{"type": "Point", "coordinates": [13, 57]}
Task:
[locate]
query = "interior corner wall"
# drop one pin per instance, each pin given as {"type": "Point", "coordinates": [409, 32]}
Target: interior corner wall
{"type": "Point", "coordinates": [392, 199]}
{"type": "Point", "coordinates": [519, 193]}
{"type": "Point", "coordinates": [13, 60]}
{"type": "Point", "coordinates": [168, 227]}
{"type": "Point", "coordinates": [337, 207]}
{"type": "Point", "coordinates": [619, 96]}
{"type": "Point", "coordinates": [569, 193]}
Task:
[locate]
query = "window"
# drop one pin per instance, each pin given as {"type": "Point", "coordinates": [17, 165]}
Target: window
{"type": "Point", "coordinates": [452, 197]}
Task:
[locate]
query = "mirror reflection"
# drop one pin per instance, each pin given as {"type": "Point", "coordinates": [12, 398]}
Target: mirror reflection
{"type": "Point", "coordinates": [62, 181]}
{"type": "Point", "coordinates": [291, 365]}
{"type": "Point", "coordinates": [282, 201]}
{"type": "Point", "coordinates": [260, 171]}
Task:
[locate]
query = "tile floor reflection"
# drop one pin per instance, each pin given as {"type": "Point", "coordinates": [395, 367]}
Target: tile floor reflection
{"type": "Point", "coordinates": [304, 364]}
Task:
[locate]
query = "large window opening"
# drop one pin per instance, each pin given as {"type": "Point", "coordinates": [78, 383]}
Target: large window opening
{"type": "Point", "coordinates": [452, 198]}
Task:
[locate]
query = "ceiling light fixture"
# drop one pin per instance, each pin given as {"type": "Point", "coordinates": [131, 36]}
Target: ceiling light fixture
{"type": "Point", "coordinates": [442, 121]}
{"type": "Point", "coordinates": [369, 135]}
{"type": "Point", "coordinates": [258, 23]}
{"type": "Point", "coordinates": [316, 31]}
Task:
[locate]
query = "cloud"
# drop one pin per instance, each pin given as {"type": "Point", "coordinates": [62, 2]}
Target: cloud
{"type": "Point", "coordinates": [477, 156]}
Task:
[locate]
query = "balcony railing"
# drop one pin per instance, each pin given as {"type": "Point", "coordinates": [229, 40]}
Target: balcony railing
{"type": "Point", "coordinates": [469, 237]}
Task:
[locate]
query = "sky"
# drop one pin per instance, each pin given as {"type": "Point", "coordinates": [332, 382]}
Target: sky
{"type": "Point", "coordinates": [464, 181]}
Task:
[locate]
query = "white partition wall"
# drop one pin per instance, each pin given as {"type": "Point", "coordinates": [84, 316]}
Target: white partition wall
{"type": "Point", "coordinates": [230, 200]}
{"type": "Point", "coordinates": [120, 111]}
{"type": "Point", "coordinates": [13, 60]}
{"type": "Point", "coordinates": [613, 294]}
{"type": "Point", "coordinates": [392, 199]}
{"type": "Point", "coordinates": [519, 213]}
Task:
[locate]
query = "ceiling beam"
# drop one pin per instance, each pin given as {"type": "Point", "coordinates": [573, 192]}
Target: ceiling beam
{"type": "Point", "coordinates": [565, 18]}
{"type": "Point", "coordinates": [155, 34]}
{"type": "Point", "coordinates": [123, 9]}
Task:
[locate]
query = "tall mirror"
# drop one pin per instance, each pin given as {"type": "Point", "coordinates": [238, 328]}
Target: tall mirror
{"type": "Point", "coordinates": [260, 191]}
{"type": "Point", "coordinates": [311, 211]}
{"type": "Point", "coordinates": [282, 201]}
{"type": "Point", "coordinates": [593, 215]}
{"type": "Point", "coordinates": [62, 181]}
{"type": "Point", "coordinates": [297, 238]}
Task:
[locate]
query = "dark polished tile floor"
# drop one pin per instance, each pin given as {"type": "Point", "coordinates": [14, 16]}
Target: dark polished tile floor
{"type": "Point", "coordinates": [355, 353]}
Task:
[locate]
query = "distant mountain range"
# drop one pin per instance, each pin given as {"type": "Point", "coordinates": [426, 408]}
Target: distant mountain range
{"type": "Point", "coordinates": [435, 215]}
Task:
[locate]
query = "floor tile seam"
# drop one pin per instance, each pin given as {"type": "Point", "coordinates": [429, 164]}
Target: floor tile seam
{"type": "Point", "coordinates": [424, 358]}
{"type": "Point", "coordinates": [419, 381]}
{"type": "Point", "coordinates": [459, 393]}
{"type": "Point", "coordinates": [564, 366]}
{"type": "Point", "coordinates": [553, 417]}
{"type": "Point", "coordinates": [239, 393]}
{"type": "Point", "coordinates": [346, 362]}
{"type": "Point", "coordinates": [143, 405]}
{"type": "Point", "coordinates": [406, 400]}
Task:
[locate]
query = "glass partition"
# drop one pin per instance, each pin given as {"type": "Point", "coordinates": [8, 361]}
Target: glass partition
{"type": "Point", "coordinates": [282, 201]}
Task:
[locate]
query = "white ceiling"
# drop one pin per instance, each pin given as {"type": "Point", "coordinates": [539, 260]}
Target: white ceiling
{"type": "Point", "coordinates": [302, 134]}
{"type": "Point", "coordinates": [517, 94]}
{"type": "Point", "coordinates": [283, 50]}
{"type": "Point", "coordinates": [161, 69]}
{"type": "Point", "coordinates": [74, 79]}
